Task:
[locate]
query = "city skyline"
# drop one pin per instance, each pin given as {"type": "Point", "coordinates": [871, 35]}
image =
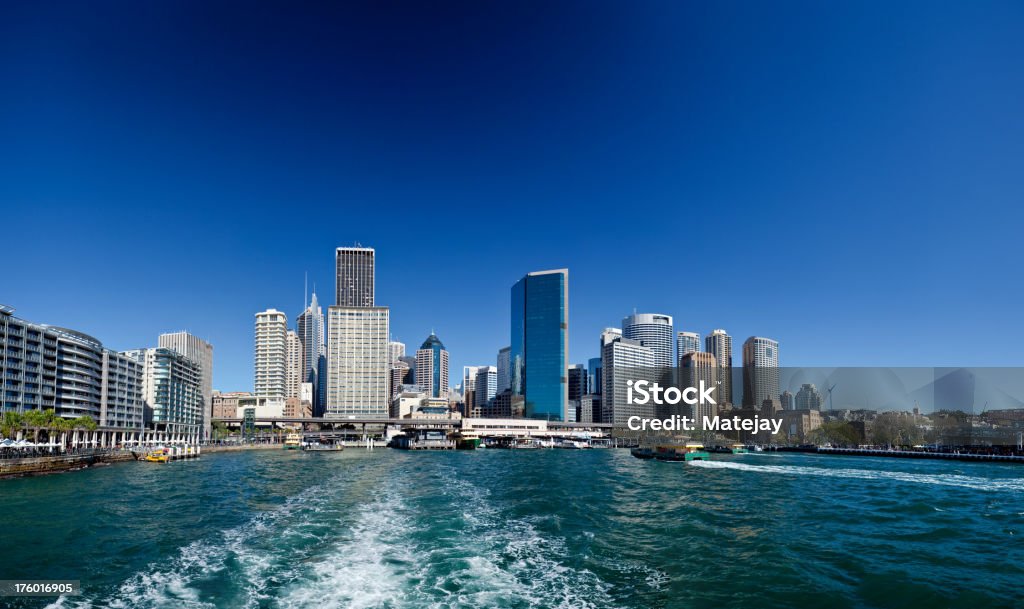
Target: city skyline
{"type": "Point", "coordinates": [485, 173]}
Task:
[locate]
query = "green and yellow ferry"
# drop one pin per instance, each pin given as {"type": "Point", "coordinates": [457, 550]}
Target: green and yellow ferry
{"type": "Point", "coordinates": [691, 451]}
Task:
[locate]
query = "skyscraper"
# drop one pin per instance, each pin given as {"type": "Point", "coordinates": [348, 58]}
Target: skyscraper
{"type": "Point", "coordinates": [358, 371]}
{"type": "Point", "coordinates": [293, 369]}
{"type": "Point", "coordinates": [271, 361]}
{"type": "Point", "coordinates": [653, 331]}
{"type": "Point", "coordinates": [719, 344]}
{"type": "Point", "coordinates": [760, 371]}
{"type": "Point", "coordinates": [396, 351]}
{"type": "Point", "coordinates": [539, 350]}
{"type": "Point", "coordinates": [201, 352]}
{"type": "Point", "coordinates": [432, 367]}
{"type": "Point", "coordinates": [354, 269]}
{"type": "Point", "coordinates": [578, 382]}
{"type": "Point", "coordinates": [687, 342]}
{"type": "Point", "coordinates": [485, 387]}
{"type": "Point", "coordinates": [595, 375]}
{"type": "Point", "coordinates": [696, 368]}
{"type": "Point", "coordinates": [309, 325]}
{"type": "Point", "coordinates": [624, 360]}
{"type": "Point", "coordinates": [808, 398]}
{"type": "Point", "coordinates": [504, 369]}
{"type": "Point", "coordinates": [171, 388]}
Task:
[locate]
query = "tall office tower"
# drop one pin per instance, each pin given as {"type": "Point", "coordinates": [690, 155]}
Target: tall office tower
{"type": "Point", "coordinates": [354, 272]}
{"type": "Point", "coordinates": [504, 369]}
{"type": "Point", "coordinates": [808, 398]}
{"type": "Point", "coordinates": [696, 368]}
{"type": "Point", "coordinates": [687, 342]}
{"type": "Point", "coordinates": [201, 352]}
{"type": "Point", "coordinates": [271, 354]}
{"type": "Point", "coordinates": [309, 325]}
{"type": "Point", "coordinates": [578, 382]}
{"type": "Point", "coordinates": [398, 371]}
{"type": "Point", "coordinates": [469, 390]}
{"type": "Point", "coordinates": [432, 367]}
{"type": "Point", "coordinates": [357, 362]}
{"type": "Point", "coordinates": [172, 390]}
{"type": "Point", "coordinates": [786, 400]}
{"type": "Point", "coordinates": [293, 369]}
{"type": "Point", "coordinates": [396, 351]}
{"type": "Point", "coordinates": [485, 387]}
{"type": "Point", "coordinates": [595, 376]}
{"type": "Point", "coordinates": [653, 331]}
{"type": "Point", "coordinates": [539, 351]}
{"type": "Point", "coordinates": [624, 360]}
{"type": "Point", "coordinates": [607, 336]}
{"type": "Point", "coordinates": [760, 371]}
{"type": "Point", "coordinates": [719, 344]}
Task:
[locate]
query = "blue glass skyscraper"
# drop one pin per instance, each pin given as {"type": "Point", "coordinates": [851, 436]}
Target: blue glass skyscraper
{"type": "Point", "coordinates": [539, 355]}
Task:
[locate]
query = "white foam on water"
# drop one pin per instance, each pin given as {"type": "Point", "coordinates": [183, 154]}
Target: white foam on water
{"type": "Point", "coordinates": [513, 563]}
{"type": "Point", "coordinates": [971, 482]}
{"type": "Point", "coordinates": [170, 584]}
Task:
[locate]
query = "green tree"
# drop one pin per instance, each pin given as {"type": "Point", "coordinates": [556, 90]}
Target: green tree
{"type": "Point", "coordinates": [84, 422]}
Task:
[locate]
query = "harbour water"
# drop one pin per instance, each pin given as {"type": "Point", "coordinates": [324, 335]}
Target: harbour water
{"type": "Point", "coordinates": [505, 528]}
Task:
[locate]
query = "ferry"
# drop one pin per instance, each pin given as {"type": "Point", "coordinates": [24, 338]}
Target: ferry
{"type": "Point", "coordinates": [293, 441]}
{"type": "Point", "coordinates": [739, 449]}
{"type": "Point", "coordinates": [160, 455]}
{"type": "Point", "coordinates": [323, 445]}
{"type": "Point", "coordinates": [691, 451]}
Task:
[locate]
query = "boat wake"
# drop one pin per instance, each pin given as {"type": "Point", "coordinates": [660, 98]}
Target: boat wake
{"type": "Point", "coordinates": [971, 482]}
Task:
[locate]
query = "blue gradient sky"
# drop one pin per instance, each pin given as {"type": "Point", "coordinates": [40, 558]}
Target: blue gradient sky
{"type": "Point", "coordinates": [845, 177]}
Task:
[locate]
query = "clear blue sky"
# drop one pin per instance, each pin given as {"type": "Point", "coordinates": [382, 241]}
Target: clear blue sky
{"type": "Point", "coordinates": [845, 177]}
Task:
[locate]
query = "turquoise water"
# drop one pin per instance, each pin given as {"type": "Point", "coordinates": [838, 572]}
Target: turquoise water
{"type": "Point", "coordinates": [542, 528]}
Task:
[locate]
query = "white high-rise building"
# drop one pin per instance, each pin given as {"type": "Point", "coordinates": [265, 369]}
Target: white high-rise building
{"type": "Point", "coordinates": [485, 386]}
{"type": "Point", "coordinates": [293, 371]}
{"type": "Point", "coordinates": [358, 368]}
{"type": "Point", "coordinates": [624, 360]}
{"type": "Point", "coordinates": [172, 390]}
{"type": "Point", "coordinates": [201, 352]}
{"type": "Point", "coordinates": [687, 342]}
{"type": "Point", "coordinates": [653, 331]}
{"type": "Point", "coordinates": [271, 362]}
{"type": "Point", "coordinates": [719, 344]}
{"type": "Point", "coordinates": [808, 398]}
{"type": "Point", "coordinates": [760, 371]}
{"type": "Point", "coordinates": [396, 351]}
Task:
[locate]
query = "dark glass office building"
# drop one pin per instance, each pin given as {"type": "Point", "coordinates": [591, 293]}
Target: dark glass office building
{"type": "Point", "coordinates": [539, 345]}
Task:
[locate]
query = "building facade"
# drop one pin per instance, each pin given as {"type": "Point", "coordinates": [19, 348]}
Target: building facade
{"type": "Point", "coordinates": [309, 325]}
{"type": "Point", "coordinates": [808, 398]}
{"type": "Point", "coordinates": [624, 360]}
{"type": "Point", "coordinates": [172, 390]}
{"type": "Point", "coordinates": [271, 354]}
{"type": "Point", "coordinates": [201, 352]}
{"type": "Point", "coordinates": [504, 369]}
{"type": "Point", "coordinates": [485, 387]}
{"type": "Point", "coordinates": [719, 344]}
{"type": "Point", "coordinates": [354, 273]}
{"type": "Point", "coordinates": [539, 350]}
{"type": "Point", "coordinates": [760, 371]}
{"type": "Point", "coordinates": [687, 342]}
{"type": "Point", "coordinates": [654, 331]}
{"type": "Point", "coordinates": [293, 378]}
{"type": "Point", "coordinates": [358, 372]}
{"type": "Point", "coordinates": [432, 367]}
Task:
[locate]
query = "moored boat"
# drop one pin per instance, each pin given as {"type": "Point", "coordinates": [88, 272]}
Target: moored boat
{"type": "Point", "coordinates": [293, 441]}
